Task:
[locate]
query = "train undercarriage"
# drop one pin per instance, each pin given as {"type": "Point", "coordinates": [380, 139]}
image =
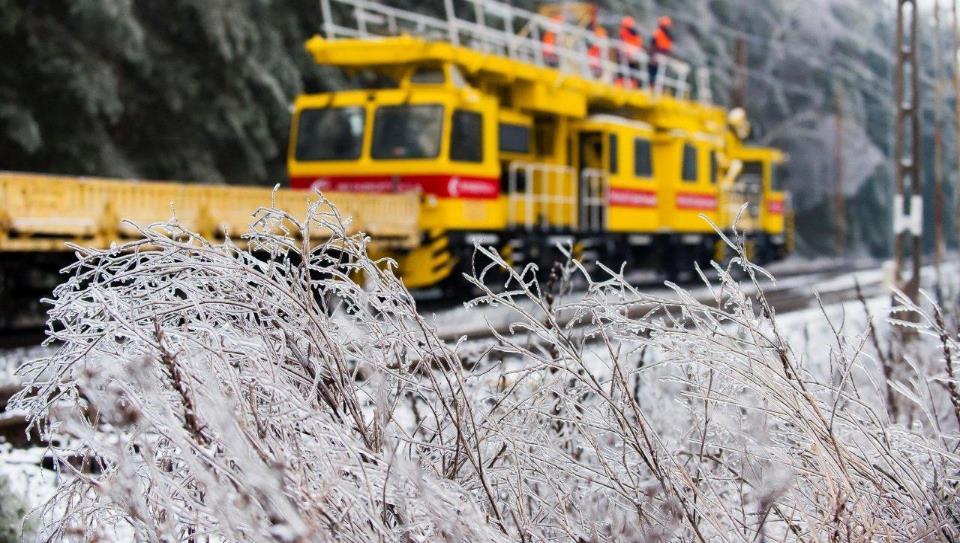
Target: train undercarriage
{"type": "Point", "coordinates": [670, 257]}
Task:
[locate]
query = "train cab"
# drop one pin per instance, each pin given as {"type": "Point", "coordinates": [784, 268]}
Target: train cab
{"type": "Point", "coordinates": [687, 166]}
{"type": "Point", "coordinates": [427, 131]}
{"type": "Point", "coordinates": [760, 168]}
{"type": "Point", "coordinates": [430, 132]}
{"type": "Point", "coordinates": [613, 157]}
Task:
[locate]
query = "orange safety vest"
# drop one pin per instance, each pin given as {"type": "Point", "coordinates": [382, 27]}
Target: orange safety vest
{"type": "Point", "coordinates": [595, 50]}
{"type": "Point", "coordinates": [631, 37]}
{"type": "Point", "coordinates": [594, 53]}
{"type": "Point", "coordinates": [661, 41]}
{"type": "Point", "coordinates": [550, 43]}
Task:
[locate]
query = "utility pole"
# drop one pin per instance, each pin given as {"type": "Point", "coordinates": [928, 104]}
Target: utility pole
{"type": "Point", "coordinates": [939, 245]}
{"type": "Point", "coordinates": [907, 221]}
{"type": "Point", "coordinates": [956, 116]}
{"type": "Point", "coordinates": [839, 197]}
{"type": "Point", "coordinates": [739, 98]}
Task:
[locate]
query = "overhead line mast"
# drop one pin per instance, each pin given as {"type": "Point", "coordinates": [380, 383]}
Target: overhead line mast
{"type": "Point", "coordinates": [956, 115]}
{"type": "Point", "coordinates": [840, 197]}
{"type": "Point", "coordinates": [939, 243]}
{"type": "Point", "coordinates": [907, 212]}
{"type": "Point", "coordinates": [739, 94]}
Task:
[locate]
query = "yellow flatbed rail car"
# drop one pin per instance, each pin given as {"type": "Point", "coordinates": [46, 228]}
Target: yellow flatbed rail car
{"type": "Point", "coordinates": [39, 213]}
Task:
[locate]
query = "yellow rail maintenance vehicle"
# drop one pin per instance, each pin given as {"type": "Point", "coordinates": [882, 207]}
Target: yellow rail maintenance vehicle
{"type": "Point", "coordinates": [520, 141]}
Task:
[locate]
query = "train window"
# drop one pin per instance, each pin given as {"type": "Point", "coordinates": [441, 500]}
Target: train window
{"type": "Point", "coordinates": [751, 177]}
{"type": "Point", "coordinates": [428, 75]}
{"type": "Point", "coordinates": [514, 138]}
{"type": "Point", "coordinates": [714, 167]}
{"type": "Point", "coordinates": [402, 132]}
{"type": "Point", "coordinates": [614, 154]}
{"type": "Point", "coordinates": [778, 175]}
{"type": "Point", "coordinates": [370, 79]}
{"type": "Point", "coordinates": [752, 172]}
{"type": "Point", "coordinates": [750, 185]}
{"type": "Point", "coordinates": [689, 173]}
{"type": "Point", "coordinates": [330, 134]}
{"type": "Point", "coordinates": [466, 137]}
{"type": "Point", "coordinates": [642, 158]}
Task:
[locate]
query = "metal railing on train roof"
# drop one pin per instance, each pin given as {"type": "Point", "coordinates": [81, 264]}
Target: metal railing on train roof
{"type": "Point", "coordinates": [504, 30]}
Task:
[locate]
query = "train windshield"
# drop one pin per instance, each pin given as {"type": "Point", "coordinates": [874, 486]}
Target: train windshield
{"type": "Point", "coordinates": [752, 175]}
{"type": "Point", "coordinates": [412, 131]}
{"type": "Point", "coordinates": [330, 134]}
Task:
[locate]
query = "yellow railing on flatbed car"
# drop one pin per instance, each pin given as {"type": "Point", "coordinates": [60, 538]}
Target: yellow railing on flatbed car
{"type": "Point", "coordinates": [39, 213]}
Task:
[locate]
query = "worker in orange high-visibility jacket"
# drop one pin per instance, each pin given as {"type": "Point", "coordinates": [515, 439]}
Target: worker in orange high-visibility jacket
{"type": "Point", "coordinates": [630, 52]}
{"type": "Point", "coordinates": [661, 44]}
{"type": "Point", "coordinates": [597, 51]}
{"type": "Point", "coordinates": [550, 41]}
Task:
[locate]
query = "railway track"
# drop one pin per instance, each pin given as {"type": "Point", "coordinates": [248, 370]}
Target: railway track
{"type": "Point", "coordinates": [794, 290]}
{"type": "Point", "coordinates": [29, 330]}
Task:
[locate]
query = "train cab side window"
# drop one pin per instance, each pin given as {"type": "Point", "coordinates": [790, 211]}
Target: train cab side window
{"type": "Point", "coordinates": [642, 158]}
{"type": "Point", "coordinates": [778, 175]}
{"type": "Point", "coordinates": [751, 177]}
{"type": "Point", "coordinates": [466, 137]}
{"type": "Point", "coordinates": [514, 138]}
{"type": "Point", "coordinates": [714, 167]}
{"type": "Point", "coordinates": [330, 134]}
{"type": "Point", "coordinates": [752, 173]}
{"type": "Point", "coordinates": [612, 148]}
{"type": "Point", "coordinates": [690, 165]}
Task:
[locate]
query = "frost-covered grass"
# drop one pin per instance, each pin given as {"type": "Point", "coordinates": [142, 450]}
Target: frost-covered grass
{"type": "Point", "coordinates": [206, 391]}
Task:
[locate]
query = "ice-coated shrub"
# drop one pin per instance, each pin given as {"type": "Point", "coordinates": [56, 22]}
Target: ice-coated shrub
{"type": "Point", "coordinates": [255, 391]}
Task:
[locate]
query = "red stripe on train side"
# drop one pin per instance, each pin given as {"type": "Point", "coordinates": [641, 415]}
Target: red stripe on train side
{"type": "Point", "coordinates": [441, 185]}
{"type": "Point", "coordinates": [775, 207]}
{"type": "Point", "coordinates": [698, 202]}
{"type": "Point", "coordinates": [632, 198]}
